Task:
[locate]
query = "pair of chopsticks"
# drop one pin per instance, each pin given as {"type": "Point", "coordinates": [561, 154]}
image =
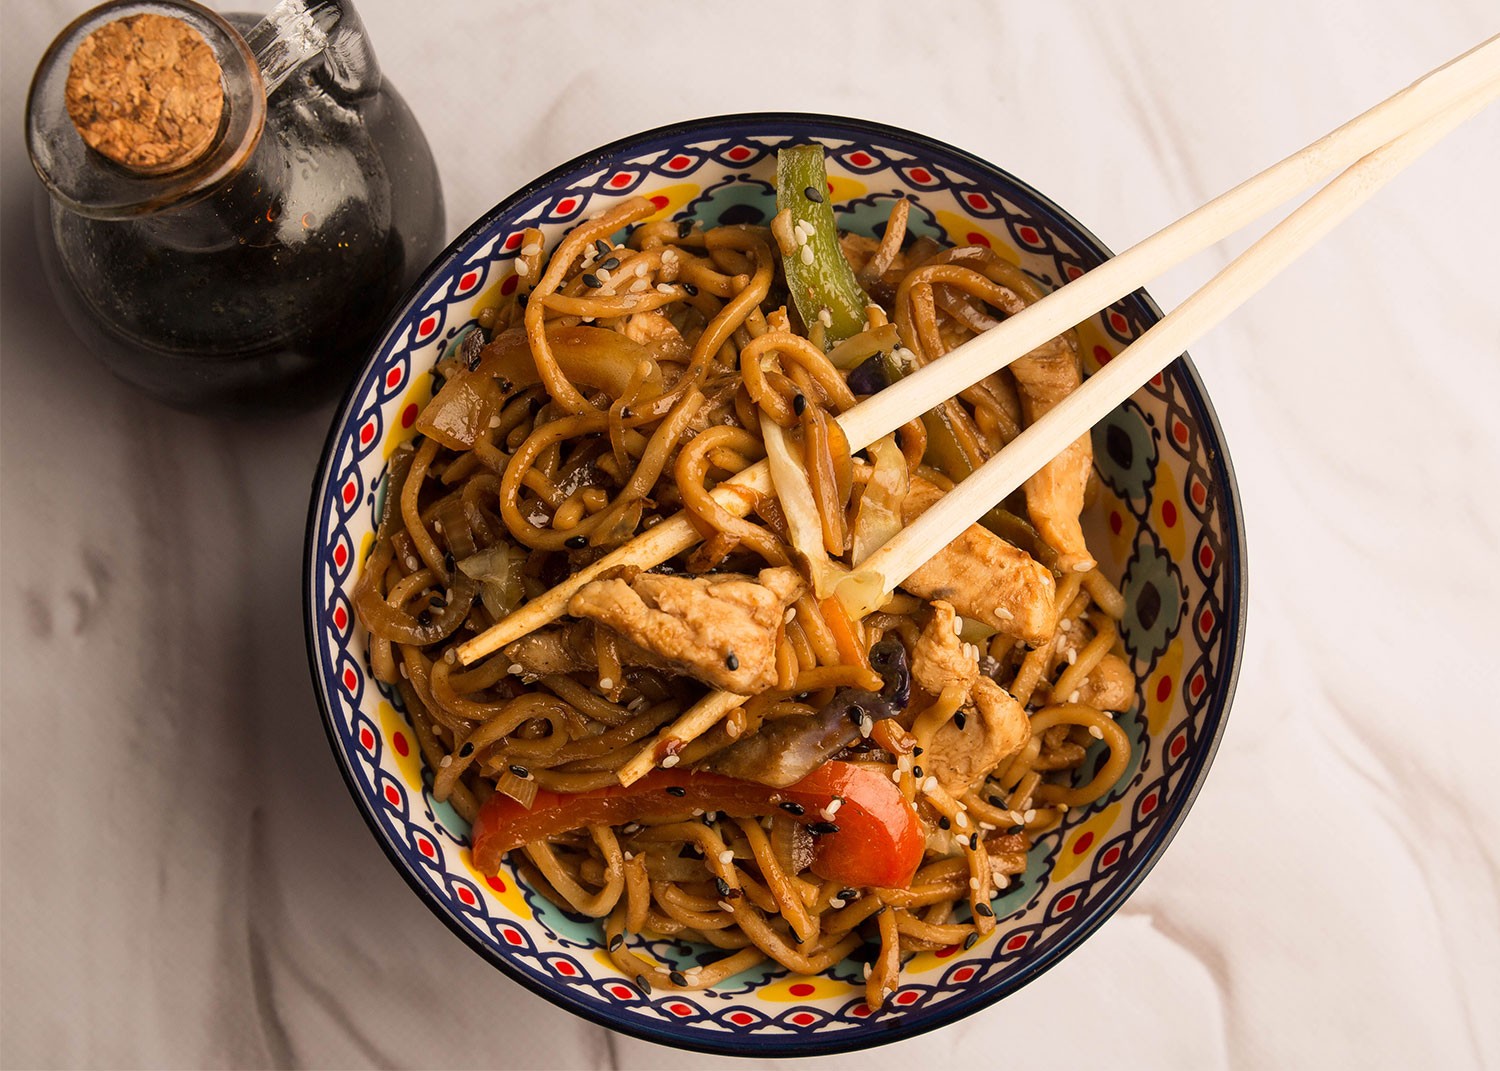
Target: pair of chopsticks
{"type": "Point", "coordinates": [1358, 157]}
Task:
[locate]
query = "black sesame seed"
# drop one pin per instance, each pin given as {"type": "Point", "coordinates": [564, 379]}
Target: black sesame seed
{"type": "Point", "coordinates": [848, 894]}
{"type": "Point", "coordinates": [522, 298]}
{"type": "Point", "coordinates": [465, 751]}
{"type": "Point", "coordinates": [603, 247]}
{"type": "Point", "coordinates": [722, 886]}
{"type": "Point", "coordinates": [692, 291]}
{"type": "Point", "coordinates": [916, 771]}
{"type": "Point", "coordinates": [793, 807]}
{"type": "Point", "coordinates": [944, 823]}
{"type": "Point", "coordinates": [520, 771]}
{"type": "Point", "coordinates": [960, 719]}
{"type": "Point", "coordinates": [676, 790]}
{"type": "Point", "coordinates": [820, 829]}
{"type": "Point", "coordinates": [984, 909]}
{"type": "Point", "coordinates": [813, 194]}
{"type": "Point", "coordinates": [996, 801]}
{"type": "Point", "coordinates": [424, 618]}
{"type": "Point", "coordinates": [575, 542]}
{"type": "Point", "coordinates": [473, 362]}
{"type": "Point", "coordinates": [448, 562]}
{"type": "Point", "coordinates": [970, 941]}
{"type": "Point", "coordinates": [973, 842]}
{"type": "Point", "coordinates": [916, 752]}
{"type": "Point", "coordinates": [799, 404]}
{"type": "Point", "coordinates": [591, 280]}
{"type": "Point", "coordinates": [611, 264]}
{"type": "Point", "coordinates": [731, 661]}
{"type": "Point", "coordinates": [684, 228]}
{"type": "Point", "coordinates": [616, 941]}
{"type": "Point", "coordinates": [677, 977]}
{"type": "Point", "coordinates": [856, 712]}
{"type": "Point", "coordinates": [642, 984]}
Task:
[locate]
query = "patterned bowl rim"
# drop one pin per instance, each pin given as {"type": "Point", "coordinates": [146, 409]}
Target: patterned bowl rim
{"type": "Point", "coordinates": [1214, 713]}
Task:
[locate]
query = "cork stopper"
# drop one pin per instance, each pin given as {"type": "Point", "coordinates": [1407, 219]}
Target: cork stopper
{"type": "Point", "coordinates": [147, 92]}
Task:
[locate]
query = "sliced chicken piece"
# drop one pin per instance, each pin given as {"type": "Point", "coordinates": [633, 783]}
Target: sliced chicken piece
{"type": "Point", "coordinates": [1054, 496]}
{"type": "Point", "coordinates": [959, 758]}
{"type": "Point", "coordinates": [720, 629]}
{"type": "Point", "coordinates": [984, 577]}
{"type": "Point", "coordinates": [1109, 686]}
{"type": "Point", "coordinates": [940, 658]}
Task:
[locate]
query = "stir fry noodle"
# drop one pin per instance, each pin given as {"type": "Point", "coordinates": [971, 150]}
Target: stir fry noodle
{"type": "Point", "coordinates": [710, 748]}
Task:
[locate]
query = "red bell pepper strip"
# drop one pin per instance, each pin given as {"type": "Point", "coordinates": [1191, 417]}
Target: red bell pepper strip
{"type": "Point", "coordinates": [873, 839]}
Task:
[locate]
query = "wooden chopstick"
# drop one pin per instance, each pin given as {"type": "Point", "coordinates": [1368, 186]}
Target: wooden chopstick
{"type": "Point", "coordinates": [880, 574]}
{"type": "Point", "coordinates": [1436, 92]}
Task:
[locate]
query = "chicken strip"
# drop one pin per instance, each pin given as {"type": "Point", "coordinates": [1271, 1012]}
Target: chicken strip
{"type": "Point", "coordinates": [1054, 496]}
{"type": "Point", "coordinates": [721, 629]}
{"type": "Point", "coordinates": [1109, 686]}
{"type": "Point", "coordinates": [959, 758]}
{"type": "Point", "coordinates": [940, 658]}
{"type": "Point", "coordinates": [984, 577]}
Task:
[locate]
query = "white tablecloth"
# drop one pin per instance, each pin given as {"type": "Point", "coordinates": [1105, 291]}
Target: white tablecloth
{"type": "Point", "coordinates": [185, 880]}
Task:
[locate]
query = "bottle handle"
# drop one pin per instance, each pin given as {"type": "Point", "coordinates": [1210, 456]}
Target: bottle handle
{"type": "Point", "coordinates": [298, 31]}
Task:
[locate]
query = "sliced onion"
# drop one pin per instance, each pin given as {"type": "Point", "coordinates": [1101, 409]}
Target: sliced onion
{"type": "Point", "coordinates": [498, 570]}
{"type": "Point", "coordinates": [879, 516]}
{"type": "Point", "coordinates": [794, 493]}
{"type": "Point", "coordinates": [520, 789]}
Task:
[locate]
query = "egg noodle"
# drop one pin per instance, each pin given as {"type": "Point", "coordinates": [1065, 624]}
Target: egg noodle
{"type": "Point", "coordinates": [869, 786]}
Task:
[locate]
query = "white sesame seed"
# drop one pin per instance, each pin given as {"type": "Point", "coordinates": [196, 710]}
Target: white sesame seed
{"type": "Point", "coordinates": [1003, 614]}
{"type": "Point", "coordinates": [930, 785]}
{"type": "Point", "coordinates": [522, 268]}
{"type": "Point", "coordinates": [606, 683]}
{"type": "Point", "coordinates": [602, 274]}
{"type": "Point", "coordinates": [974, 884]}
{"type": "Point", "coordinates": [833, 806]}
{"type": "Point", "coordinates": [445, 762]}
{"type": "Point", "coordinates": [1030, 816]}
{"type": "Point", "coordinates": [827, 814]}
{"type": "Point", "coordinates": [867, 970]}
{"type": "Point", "coordinates": [669, 256]}
{"type": "Point", "coordinates": [412, 563]}
{"type": "Point", "coordinates": [450, 656]}
{"type": "Point", "coordinates": [807, 254]}
{"type": "Point", "coordinates": [961, 820]}
{"type": "Point", "coordinates": [639, 285]}
{"type": "Point", "coordinates": [958, 624]}
{"type": "Point", "coordinates": [807, 225]}
{"type": "Point", "coordinates": [664, 288]}
{"type": "Point", "coordinates": [1072, 655]}
{"type": "Point", "coordinates": [640, 270]}
{"type": "Point", "coordinates": [1096, 732]}
{"type": "Point", "coordinates": [726, 906]}
{"type": "Point", "coordinates": [1082, 567]}
{"type": "Point", "coordinates": [987, 826]}
{"type": "Point", "coordinates": [791, 612]}
{"type": "Point", "coordinates": [629, 856]}
{"type": "Point", "coordinates": [405, 674]}
{"type": "Point", "coordinates": [726, 857]}
{"type": "Point", "coordinates": [516, 669]}
{"type": "Point", "coordinates": [896, 776]}
{"type": "Point", "coordinates": [697, 812]}
{"type": "Point", "coordinates": [866, 726]}
{"type": "Point", "coordinates": [825, 317]}
{"type": "Point", "coordinates": [1002, 881]}
{"type": "Point", "coordinates": [530, 249]}
{"type": "Point", "coordinates": [1017, 818]}
{"type": "Point", "coordinates": [733, 730]}
{"type": "Point", "coordinates": [835, 903]}
{"type": "Point", "coordinates": [670, 761]}
{"type": "Point", "coordinates": [1065, 625]}
{"type": "Point", "coordinates": [494, 421]}
{"type": "Point", "coordinates": [1073, 696]}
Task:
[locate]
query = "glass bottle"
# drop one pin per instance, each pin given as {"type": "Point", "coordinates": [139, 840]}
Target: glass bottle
{"type": "Point", "coordinates": [246, 275]}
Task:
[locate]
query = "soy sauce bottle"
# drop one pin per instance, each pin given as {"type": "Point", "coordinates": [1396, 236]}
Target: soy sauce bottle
{"type": "Point", "coordinates": [231, 207]}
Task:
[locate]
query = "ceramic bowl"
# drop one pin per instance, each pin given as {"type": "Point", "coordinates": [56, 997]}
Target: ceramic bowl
{"type": "Point", "coordinates": [1166, 528]}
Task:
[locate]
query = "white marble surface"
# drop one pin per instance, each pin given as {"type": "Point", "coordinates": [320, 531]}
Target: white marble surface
{"type": "Point", "coordinates": [185, 881]}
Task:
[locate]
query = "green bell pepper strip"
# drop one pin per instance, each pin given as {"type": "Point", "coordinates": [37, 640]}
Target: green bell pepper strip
{"type": "Point", "coordinates": [817, 274]}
